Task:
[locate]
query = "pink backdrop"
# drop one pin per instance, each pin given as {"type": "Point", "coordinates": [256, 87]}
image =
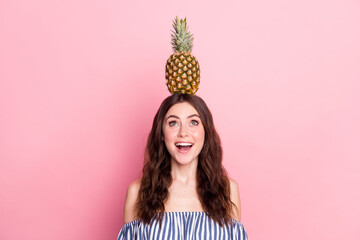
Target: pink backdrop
{"type": "Point", "coordinates": [80, 82]}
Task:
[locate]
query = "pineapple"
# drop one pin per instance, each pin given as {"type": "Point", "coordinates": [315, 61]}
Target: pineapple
{"type": "Point", "coordinates": [182, 69]}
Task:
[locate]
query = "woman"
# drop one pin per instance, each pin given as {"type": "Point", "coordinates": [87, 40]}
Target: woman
{"type": "Point", "coordinates": [184, 192]}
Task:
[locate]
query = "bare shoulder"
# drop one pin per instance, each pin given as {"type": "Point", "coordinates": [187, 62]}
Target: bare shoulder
{"type": "Point", "coordinates": [130, 200]}
{"type": "Point", "coordinates": [235, 198]}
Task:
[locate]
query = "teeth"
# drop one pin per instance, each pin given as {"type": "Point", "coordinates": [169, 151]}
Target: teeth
{"type": "Point", "coordinates": [183, 144]}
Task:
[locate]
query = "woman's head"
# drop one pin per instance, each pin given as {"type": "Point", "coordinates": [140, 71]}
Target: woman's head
{"type": "Point", "coordinates": [203, 112]}
{"type": "Point", "coordinates": [183, 134]}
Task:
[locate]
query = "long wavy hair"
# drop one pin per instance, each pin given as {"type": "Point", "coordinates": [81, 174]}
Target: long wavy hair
{"type": "Point", "coordinates": [213, 186]}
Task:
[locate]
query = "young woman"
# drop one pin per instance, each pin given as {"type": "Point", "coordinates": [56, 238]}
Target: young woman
{"type": "Point", "coordinates": [184, 192]}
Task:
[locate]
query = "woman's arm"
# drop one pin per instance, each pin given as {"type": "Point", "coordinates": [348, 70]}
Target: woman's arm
{"type": "Point", "coordinates": [235, 198]}
{"type": "Point", "coordinates": [130, 200]}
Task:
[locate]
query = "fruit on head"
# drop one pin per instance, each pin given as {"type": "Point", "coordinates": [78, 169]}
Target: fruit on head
{"type": "Point", "coordinates": [182, 69]}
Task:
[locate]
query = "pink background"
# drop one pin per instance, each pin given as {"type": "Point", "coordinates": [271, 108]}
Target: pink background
{"type": "Point", "coordinates": [80, 82]}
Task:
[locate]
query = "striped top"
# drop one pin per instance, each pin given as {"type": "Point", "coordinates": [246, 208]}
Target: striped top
{"type": "Point", "coordinates": [182, 226]}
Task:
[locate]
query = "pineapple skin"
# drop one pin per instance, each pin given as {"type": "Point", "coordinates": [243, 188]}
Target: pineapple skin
{"type": "Point", "coordinates": [182, 73]}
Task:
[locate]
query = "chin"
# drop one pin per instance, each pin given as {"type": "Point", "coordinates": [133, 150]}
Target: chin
{"type": "Point", "coordinates": [184, 161]}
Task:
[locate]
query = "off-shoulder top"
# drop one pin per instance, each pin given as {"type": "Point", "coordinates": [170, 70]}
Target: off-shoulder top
{"type": "Point", "coordinates": [182, 226]}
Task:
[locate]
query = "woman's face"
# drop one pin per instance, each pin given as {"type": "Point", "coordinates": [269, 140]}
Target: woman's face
{"type": "Point", "coordinates": [183, 133]}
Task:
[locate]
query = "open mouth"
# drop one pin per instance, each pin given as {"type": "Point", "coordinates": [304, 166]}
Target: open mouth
{"type": "Point", "coordinates": [184, 146]}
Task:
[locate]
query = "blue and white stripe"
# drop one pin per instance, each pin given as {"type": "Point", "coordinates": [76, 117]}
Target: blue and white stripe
{"type": "Point", "coordinates": [182, 226]}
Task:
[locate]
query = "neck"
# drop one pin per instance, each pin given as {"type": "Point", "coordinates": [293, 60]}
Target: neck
{"type": "Point", "coordinates": [184, 173]}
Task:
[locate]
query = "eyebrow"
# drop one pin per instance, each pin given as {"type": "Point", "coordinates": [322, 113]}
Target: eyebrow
{"type": "Point", "coordinates": [174, 116]}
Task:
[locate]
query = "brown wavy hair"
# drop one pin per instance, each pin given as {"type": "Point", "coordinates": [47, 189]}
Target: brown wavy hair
{"type": "Point", "coordinates": [213, 186]}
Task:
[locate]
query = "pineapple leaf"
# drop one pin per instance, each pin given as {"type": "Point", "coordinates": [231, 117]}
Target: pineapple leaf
{"type": "Point", "coordinates": [181, 38]}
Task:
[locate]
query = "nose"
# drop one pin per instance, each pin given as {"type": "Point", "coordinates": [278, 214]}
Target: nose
{"type": "Point", "coordinates": [183, 131]}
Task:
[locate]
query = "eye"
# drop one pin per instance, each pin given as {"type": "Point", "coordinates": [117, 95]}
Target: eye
{"type": "Point", "coordinates": [194, 123]}
{"type": "Point", "coordinates": [172, 123]}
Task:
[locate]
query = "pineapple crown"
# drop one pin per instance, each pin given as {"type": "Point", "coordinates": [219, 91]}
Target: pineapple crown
{"type": "Point", "coordinates": [181, 39]}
